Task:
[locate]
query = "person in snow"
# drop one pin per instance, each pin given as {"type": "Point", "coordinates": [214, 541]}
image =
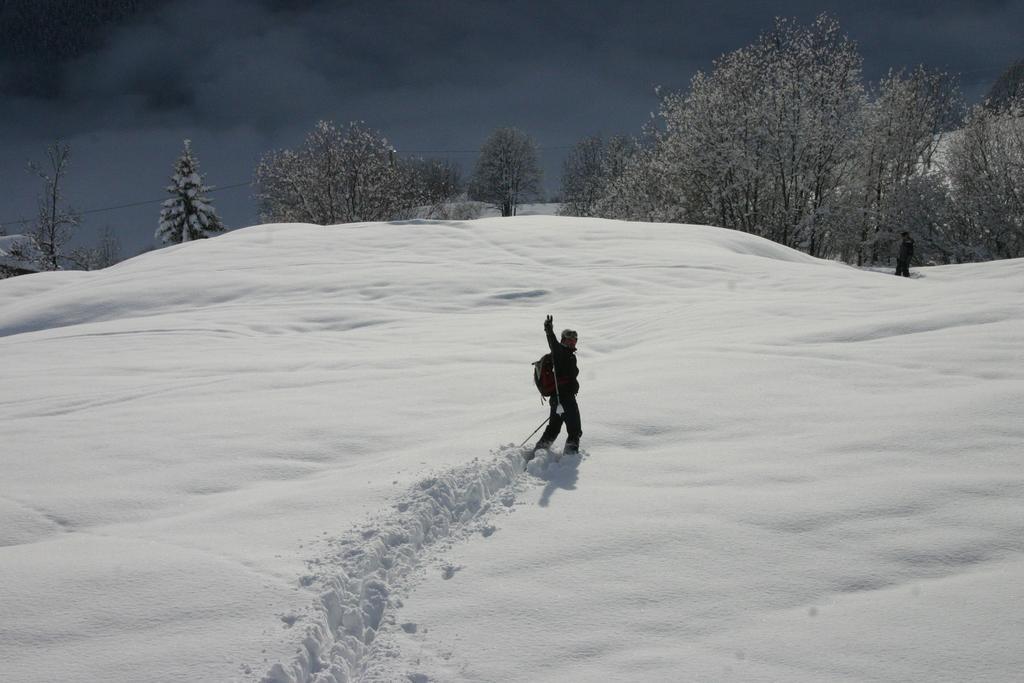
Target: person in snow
{"type": "Point", "coordinates": [905, 254]}
{"type": "Point", "coordinates": [563, 357]}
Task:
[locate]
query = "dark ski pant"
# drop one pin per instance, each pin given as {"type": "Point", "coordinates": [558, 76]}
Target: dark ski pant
{"type": "Point", "coordinates": [903, 267]}
{"type": "Point", "coordinates": [571, 418]}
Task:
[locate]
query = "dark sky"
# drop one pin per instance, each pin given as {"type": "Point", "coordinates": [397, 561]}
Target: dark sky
{"type": "Point", "coordinates": [241, 78]}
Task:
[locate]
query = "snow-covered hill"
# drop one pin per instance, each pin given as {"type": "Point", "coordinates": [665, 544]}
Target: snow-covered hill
{"type": "Point", "coordinates": [287, 453]}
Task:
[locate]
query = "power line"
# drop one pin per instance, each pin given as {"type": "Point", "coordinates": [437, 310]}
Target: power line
{"type": "Point", "coordinates": [232, 186]}
{"type": "Point", "coordinates": [218, 188]}
{"type": "Point", "coordinates": [131, 205]}
{"type": "Point", "coordinates": [154, 201]}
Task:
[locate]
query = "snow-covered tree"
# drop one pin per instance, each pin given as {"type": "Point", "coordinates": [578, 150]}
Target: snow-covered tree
{"type": "Point", "coordinates": [803, 91]}
{"type": "Point", "coordinates": [986, 170]}
{"type": "Point", "coordinates": [438, 182]}
{"type": "Point", "coordinates": [55, 223]}
{"type": "Point", "coordinates": [106, 253]}
{"type": "Point", "coordinates": [905, 124]}
{"type": "Point", "coordinates": [188, 215]}
{"type": "Point", "coordinates": [1008, 90]}
{"type": "Point", "coordinates": [337, 176]}
{"type": "Point", "coordinates": [18, 255]}
{"type": "Point", "coordinates": [782, 139]}
{"type": "Point", "coordinates": [591, 166]}
{"type": "Point", "coordinates": [765, 143]}
{"type": "Point", "coordinates": [507, 171]}
{"type": "Point", "coordinates": [644, 189]}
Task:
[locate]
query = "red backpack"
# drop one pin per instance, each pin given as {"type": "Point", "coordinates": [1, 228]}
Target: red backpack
{"type": "Point", "coordinates": [544, 375]}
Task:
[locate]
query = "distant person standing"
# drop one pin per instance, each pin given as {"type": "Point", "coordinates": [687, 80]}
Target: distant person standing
{"type": "Point", "coordinates": [905, 254]}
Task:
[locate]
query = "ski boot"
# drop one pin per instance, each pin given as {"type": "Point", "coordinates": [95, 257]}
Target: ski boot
{"type": "Point", "coordinates": [541, 447]}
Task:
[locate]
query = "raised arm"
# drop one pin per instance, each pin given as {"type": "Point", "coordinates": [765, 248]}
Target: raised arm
{"type": "Point", "coordinates": [549, 330]}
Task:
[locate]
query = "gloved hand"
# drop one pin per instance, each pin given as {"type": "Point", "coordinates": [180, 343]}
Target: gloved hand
{"type": "Point", "coordinates": [549, 324]}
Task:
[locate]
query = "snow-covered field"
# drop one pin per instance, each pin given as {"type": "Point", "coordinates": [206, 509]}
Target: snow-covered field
{"type": "Point", "coordinates": [285, 454]}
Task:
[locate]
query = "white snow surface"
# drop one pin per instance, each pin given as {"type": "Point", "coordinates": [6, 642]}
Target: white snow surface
{"type": "Point", "coordinates": [288, 454]}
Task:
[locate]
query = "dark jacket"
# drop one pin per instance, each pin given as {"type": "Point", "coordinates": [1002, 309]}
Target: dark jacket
{"type": "Point", "coordinates": [564, 360]}
{"type": "Point", "coordinates": [906, 250]}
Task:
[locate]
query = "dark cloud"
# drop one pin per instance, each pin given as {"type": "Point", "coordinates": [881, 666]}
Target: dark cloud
{"type": "Point", "coordinates": [240, 77]}
{"type": "Point", "coordinates": [270, 63]}
{"type": "Point", "coordinates": [37, 37]}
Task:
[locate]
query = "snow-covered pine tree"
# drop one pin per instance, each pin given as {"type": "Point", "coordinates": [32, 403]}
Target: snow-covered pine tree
{"type": "Point", "coordinates": [188, 215]}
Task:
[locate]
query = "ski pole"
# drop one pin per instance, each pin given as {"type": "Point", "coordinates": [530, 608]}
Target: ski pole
{"type": "Point", "coordinates": [534, 431]}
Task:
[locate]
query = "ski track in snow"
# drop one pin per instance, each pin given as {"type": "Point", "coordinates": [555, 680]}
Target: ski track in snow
{"type": "Point", "coordinates": [360, 580]}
